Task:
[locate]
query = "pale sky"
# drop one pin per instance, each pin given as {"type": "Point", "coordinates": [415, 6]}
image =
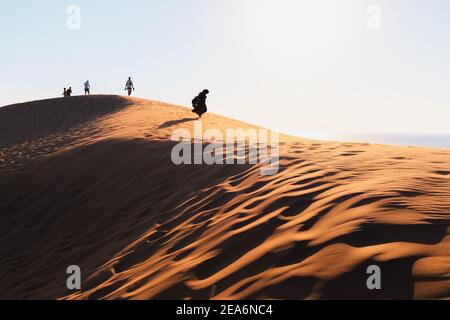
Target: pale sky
{"type": "Point", "coordinates": [291, 65]}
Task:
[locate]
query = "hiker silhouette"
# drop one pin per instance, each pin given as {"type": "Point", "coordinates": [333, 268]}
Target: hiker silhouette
{"type": "Point", "coordinates": [87, 88]}
{"type": "Point", "coordinates": [199, 103]}
{"type": "Point", "coordinates": [129, 86]}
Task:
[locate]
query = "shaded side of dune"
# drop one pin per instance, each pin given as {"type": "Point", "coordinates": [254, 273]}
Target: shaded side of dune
{"type": "Point", "coordinates": [32, 130]}
{"type": "Point", "coordinates": [30, 121]}
{"type": "Point", "coordinates": [83, 206]}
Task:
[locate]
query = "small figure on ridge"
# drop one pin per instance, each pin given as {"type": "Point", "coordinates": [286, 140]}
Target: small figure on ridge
{"type": "Point", "coordinates": [87, 88]}
{"type": "Point", "coordinates": [129, 86]}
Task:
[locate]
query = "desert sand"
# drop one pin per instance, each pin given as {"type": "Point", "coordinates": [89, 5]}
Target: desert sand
{"type": "Point", "coordinates": [89, 181]}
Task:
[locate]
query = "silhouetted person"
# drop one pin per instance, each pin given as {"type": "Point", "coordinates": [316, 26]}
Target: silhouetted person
{"type": "Point", "coordinates": [69, 92]}
{"type": "Point", "coordinates": [199, 103]}
{"type": "Point", "coordinates": [65, 92]}
{"type": "Point", "coordinates": [87, 88]}
{"type": "Point", "coordinates": [129, 86]}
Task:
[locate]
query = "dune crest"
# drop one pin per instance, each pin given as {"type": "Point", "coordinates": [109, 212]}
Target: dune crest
{"type": "Point", "coordinates": [89, 181]}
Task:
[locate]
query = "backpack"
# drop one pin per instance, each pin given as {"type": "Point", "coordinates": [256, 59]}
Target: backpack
{"type": "Point", "coordinates": [195, 102]}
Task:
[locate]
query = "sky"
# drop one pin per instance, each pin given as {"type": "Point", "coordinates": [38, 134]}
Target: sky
{"type": "Point", "coordinates": [333, 66]}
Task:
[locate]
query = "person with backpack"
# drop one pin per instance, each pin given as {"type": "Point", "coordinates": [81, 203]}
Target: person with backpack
{"type": "Point", "coordinates": [199, 103]}
{"type": "Point", "coordinates": [129, 86]}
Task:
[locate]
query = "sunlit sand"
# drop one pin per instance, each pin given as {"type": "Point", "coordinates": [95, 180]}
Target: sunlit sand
{"type": "Point", "coordinates": [89, 181]}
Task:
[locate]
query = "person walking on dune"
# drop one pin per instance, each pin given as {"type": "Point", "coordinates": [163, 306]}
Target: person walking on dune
{"type": "Point", "coordinates": [87, 88]}
{"type": "Point", "coordinates": [199, 103]}
{"type": "Point", "coordinates": [65, 92]}
{"type": "Point", "coordinates": [129, 86]}
{"type": "Point", "coordinates": [69, 92]}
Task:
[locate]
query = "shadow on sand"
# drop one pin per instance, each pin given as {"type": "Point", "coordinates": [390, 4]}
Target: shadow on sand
{"type": "Point", "coordinates": [169, 124]}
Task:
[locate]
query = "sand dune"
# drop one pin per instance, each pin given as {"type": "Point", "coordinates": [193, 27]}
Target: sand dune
{"type": "Point", "coordinates": [89, 181]}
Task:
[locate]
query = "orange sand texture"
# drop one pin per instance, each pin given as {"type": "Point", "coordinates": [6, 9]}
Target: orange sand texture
{"type": "Point", "coordinates": [89, 181]}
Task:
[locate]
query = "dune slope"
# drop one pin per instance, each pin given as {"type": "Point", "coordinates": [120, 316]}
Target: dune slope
{"type": "Point", "coordinates": [89, 181]}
